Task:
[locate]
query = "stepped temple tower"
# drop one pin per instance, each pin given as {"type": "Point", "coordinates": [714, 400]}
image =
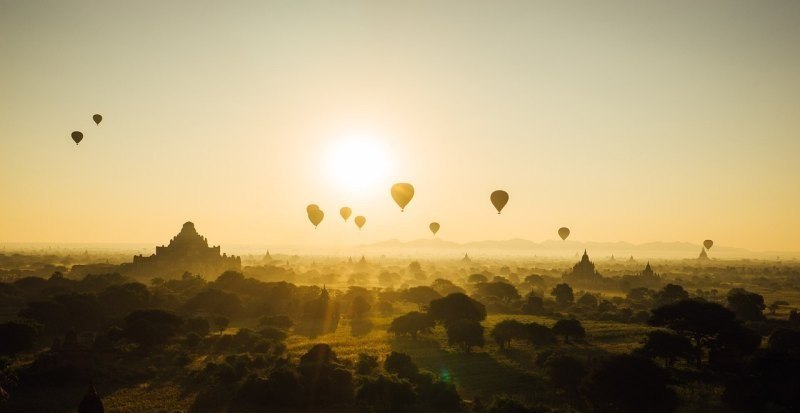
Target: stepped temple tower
{"type": "Point", "coordinates": [187, 252]}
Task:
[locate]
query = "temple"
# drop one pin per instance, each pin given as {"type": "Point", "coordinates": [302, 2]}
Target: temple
{"type": "Point", "coordinates": [647, 278]}
{"type": "Point", "coordinates": [703, 255]}
{"type": "Point", "coordinates": [187, 252]}
{"type": "Point", "coordinates": [583, 272]}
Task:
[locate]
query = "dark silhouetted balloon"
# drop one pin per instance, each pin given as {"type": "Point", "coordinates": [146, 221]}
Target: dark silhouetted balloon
{"type": "Point", "coordinates": [345, 213]}
{"type": "Point", "coordinates": [708, 244]}
{"type": "Point", "coordinates": [402, 194]}
{"type": "Point", "coordinates": [311, 207]}
{"type": "Point", "coordinates": [97, 118]}
{"type": "Point", "coordinates": [77, 137]}
{"type": "Point", "coordinates": [434, 226]}
{"type": "Point", "coordinates": [315, 216]}
{"type": "Point", "coordinates": [360, 221]}
{"type": "Point", "coordinates": [499, 199]}
{"type": "Point", "coordinates": [563, 232]}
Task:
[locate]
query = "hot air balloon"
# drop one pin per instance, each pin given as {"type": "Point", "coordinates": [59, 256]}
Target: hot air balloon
{"type": "Point", "coordinates": [402, 194]}
{"type": "Point", "coordinates": [345, 213]}
{"type": "Point", "coordinates": [77, 137]}
{"type": "Point", "coordinates": [315, 216]}
{"type": "Point", "coordinates": [708, 244]}
{"type": "Point", "coordinates": [434, 226]}
{"type": "Point", "coordinates": [360, 221]}
{"type": "Point", "coordinates": [563, 232]}
{"type": "Point", "coordinates": [97, 119]}
{"type": "Point", "coordinates": [499, 199]}
{"type": "Point", "coordinates": [311, 207]}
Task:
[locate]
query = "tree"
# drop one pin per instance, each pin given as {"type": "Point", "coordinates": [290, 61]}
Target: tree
{"type": "Point", "coordinates": [629, 384]}
{"type": "Point", "coordinates": [507, 330]}
{"type": "Point", "coordinates": [324, 378]}
{"type": "Point", "coordinates": [401, 365]}
{"type": "Point", "coordinates": [216, 302]}
{"type": "Point", "coordinates": [359, 307]}
{"type": "Point", "coordinates": [66, 311]}
{"type": "Point", "coordinates": [421, 295]}
{"type": "Point", "coordinates": [569, 328]}
{"type": "Point", "coordinates": [412, 324]}
{"type": "Point", "coordinates": [668, 346]}
{"type": "Point", "coordinates": [150, 328]}
{"type": "Point", "coordinates": [534, 280]}
{"type": "Point", "coordinates": [640, 295]}
{"type": "Point", "coordinates": [699, 321]}
{"type": "Point", "coordinates": [221, 322]}
{"type": "Point", "coordinates": [566, 373]}
{"type": "Point", "coordinates": [776, 305]}
{"type": "Point", "coordinates": [464, 333]}
{"type": "Point", "coordinates": [477, 278]}
{"type": "Point", "coordinates": [16, 337]}
{"type": "Point", "coordinates": [671, 293]}
{"type": "Point", "coordinates": [784, 340]}
{"type": "Point", "coordinates": [534, 305]}
{"type": "Point", "coordinates": [563, 294]}
{"type": "Point", "coordinates": [746, 305]}
{"type": "Point", "coordinates": [502, 291]}
{"type": "Point", "coordinates": [124, 298]}
{"type": "Point", "coordinates": [539, 335]}
{"type": "Point", "coordinates": [588, 300]}
{"type": "Point", "coordinates": [733, 343]}
{"type": "Point", "coordinates": [386, 394]}
{"type": "Point", "coordinates": [769, 383]}
{"type": "Point", "coordinates": [455, 307]}
{"type": "Point", "coordinates": [414, 267]}
{"type": "Point", "coordinates": [366, 363]}
{"type": "Point", "coordinates": [445, 287]}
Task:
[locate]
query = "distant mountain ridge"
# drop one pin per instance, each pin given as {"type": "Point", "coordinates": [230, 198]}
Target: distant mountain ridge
{"type": "Point", "coordinates": [620, 249]}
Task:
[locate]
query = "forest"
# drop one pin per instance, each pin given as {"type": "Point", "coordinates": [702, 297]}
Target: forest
{"type": "Point", "coordinates": [495, 335]}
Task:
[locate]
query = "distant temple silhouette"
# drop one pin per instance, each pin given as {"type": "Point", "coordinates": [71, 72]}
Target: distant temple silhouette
{"type": "Point", "coordinates": [187, 252]}
{"type": "Point", "coordinates": [703, 255]}
{"type": "Point", "coordinates": [583, 272]}
{"type": "Point", "coordinates": [647, 278]}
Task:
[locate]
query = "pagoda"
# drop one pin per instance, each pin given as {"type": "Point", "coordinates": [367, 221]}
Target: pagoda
{"type": "Point", "coordinates": [703, 255]}
{"type": "Point", "coordinates": [186, 252]}
{"type": "Point", "coordinates": [583, 272]}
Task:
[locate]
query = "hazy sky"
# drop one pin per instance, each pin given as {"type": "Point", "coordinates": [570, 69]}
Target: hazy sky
{"type": "Point", "coordinates": [636, 120]}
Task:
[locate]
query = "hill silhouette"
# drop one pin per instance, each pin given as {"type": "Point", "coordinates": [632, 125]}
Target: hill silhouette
{"type": "Point", "coordinates": [519, 246]}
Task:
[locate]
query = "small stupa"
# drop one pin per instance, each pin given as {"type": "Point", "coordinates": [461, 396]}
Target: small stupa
{"type": "Point", "coordinates": [703, 255]}
{"type": "Point", "coordinates": [91, 402]}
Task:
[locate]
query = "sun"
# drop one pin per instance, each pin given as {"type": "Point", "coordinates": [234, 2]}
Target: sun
{"type": "Point", "coordinates": [357, 162]}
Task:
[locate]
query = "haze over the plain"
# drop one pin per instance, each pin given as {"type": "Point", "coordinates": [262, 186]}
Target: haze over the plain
{"type": "Point", "coordinates": [621, 120]}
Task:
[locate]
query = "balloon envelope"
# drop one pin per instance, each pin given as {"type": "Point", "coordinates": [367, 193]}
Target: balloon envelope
{"type": "Point", "coordinates": [563, 232]}
{"type": "Point", "coordinates": [708, 244]}
{"type": "Point", "coordinates": [77, 137]}
{"type": "Point", "coordinates": [499, 199]}
{"type": "Point", "coordinates": [434, 226]}
{"type": "Point", "coordinates": [402, 194]}
{"type": "Point", "coordinates": [360, 221]}
{"type": "Point", "coordinates": [97, 118]}
{"type": "Point", "coordinates": [311, 207]}
{"type": "Point", "coordinates": [315, 216]}
{"type": "Point", "coordinates": [345, 213]}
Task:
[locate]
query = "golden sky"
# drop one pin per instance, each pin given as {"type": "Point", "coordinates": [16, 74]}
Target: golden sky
{"type": "Point", "coordinates": [623, 120]}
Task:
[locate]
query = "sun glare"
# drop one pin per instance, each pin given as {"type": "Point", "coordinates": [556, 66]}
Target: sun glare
{"type": "Point", "coordinates": [357, 163]}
